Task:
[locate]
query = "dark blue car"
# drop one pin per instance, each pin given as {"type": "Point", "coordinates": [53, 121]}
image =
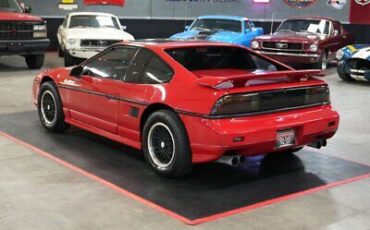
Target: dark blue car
{"type": "Point", "coordinates": [229, 29]}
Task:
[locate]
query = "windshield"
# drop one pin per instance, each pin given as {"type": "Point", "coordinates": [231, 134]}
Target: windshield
{"type": "Point", "coordinates": [215, 57]}
{"type": "Point", "coordinates": [93, 21]}
{"type": "Point", "coordinates": [217, 24]}
{"type": "Point", "coordinates": [10, 5]}
{"type": "Point", "coordinates": [305, 26]}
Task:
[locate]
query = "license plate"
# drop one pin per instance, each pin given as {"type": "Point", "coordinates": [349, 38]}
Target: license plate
{"type": "Point", "coordinates": [285, 138]}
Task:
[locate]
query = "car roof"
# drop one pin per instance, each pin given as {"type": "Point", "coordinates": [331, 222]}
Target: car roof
{"type": "Point", "coordinates": [174, 43]}
{"type": "Point", "coordinates": [91, 13]}
{"type": "Point", "coordinates": [312, 18]}
{"type": "Point", "coordinates": [227, 17]}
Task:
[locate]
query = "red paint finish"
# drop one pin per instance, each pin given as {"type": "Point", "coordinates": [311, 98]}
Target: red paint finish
{"type": "Point", "coordinates": [13, 16]}
{"type": "Point", "coordinates": [192, 95]}
{"type": "Point", "coordinates": [105, 2]}
{"type": "Point", "coordinates": [326, 44]}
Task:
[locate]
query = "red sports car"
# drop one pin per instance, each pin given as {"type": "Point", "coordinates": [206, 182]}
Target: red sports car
{"type": "Point", "coordinates": [189, 102]}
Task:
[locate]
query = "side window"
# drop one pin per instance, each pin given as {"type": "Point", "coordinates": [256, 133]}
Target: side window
{"type": "Point", "coordinates": [248, 25]}
{"type": "Point", "coordinates": [112, 64]}
{"type": "Point", "coordinates": [337, 27]}
{"type": "Point", "coordinates": [148, 68]}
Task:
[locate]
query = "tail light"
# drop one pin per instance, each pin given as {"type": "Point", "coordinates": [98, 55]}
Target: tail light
{"type": "Point", "coordinates": [271, 101]}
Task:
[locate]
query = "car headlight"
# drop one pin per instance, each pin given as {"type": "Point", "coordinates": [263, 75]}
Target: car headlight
{"type": "Point", "coordinates": [339, 55]}
{"type": "Point", "coordinates": [255, 45]}
{"type": "Point", "coordinates": [313, 48]}
{"type": "Point", "coordinates": [39, 27]}
{"type": "Point", "coordinates": [40, 31]}
{"type": "Point", "coordinates": [71, 41]}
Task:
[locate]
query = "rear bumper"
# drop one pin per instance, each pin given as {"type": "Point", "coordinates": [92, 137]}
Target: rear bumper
{"type": "Point", "coordinates": [292, 58]}
{"type": "Point", "coordinates": [210, 139]}
{"type": "Point", "coordinates": [24, 47]}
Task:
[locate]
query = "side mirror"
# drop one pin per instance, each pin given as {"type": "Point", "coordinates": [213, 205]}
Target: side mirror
{"type": "Point", "coordinates": [336, 32]}
{"type": "Point", "coordinates": [76, 71]}
{"type": "Point", "coordinates": [187, 28]}
{"type": "Point", "coordinates": [26, 9]}
{"type": "Point", "coordinates": [123, 27]}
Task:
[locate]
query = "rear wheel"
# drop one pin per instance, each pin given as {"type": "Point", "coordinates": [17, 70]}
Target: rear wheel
{"type": "Point", "coordinates": [166, 145]}
{"type": "Point", "coordinates": [50, 108]}
{"type": "Point", "coordinates": [35, 61]}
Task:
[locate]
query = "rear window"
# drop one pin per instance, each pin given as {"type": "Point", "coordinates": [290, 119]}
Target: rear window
{"type": "Point", "coordinates": [216, 57]}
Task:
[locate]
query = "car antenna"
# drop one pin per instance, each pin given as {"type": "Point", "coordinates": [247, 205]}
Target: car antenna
{"type": "Point", "coordinates": [272, 24]}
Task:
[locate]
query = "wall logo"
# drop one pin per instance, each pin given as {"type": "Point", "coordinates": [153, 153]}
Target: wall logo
{"type": "Point", "coordinates": [337, 4]}
{"type": "Point", "coordinates": [362, 2]}
{"type": "Point", "coordinates": [300, 3]}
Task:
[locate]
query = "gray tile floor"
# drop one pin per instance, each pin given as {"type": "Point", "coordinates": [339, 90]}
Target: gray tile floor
{"type": "Point", "coordinates": [37, 193]}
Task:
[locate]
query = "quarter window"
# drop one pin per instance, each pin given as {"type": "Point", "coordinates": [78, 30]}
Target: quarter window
{"type": "Point", "coordinates": [113, 64]}
{"type": "Point", "coordinates": [147, 68]}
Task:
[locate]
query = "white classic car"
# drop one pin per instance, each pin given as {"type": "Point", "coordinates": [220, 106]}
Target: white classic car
{"type": "Point", "coordinates": [84, 34]}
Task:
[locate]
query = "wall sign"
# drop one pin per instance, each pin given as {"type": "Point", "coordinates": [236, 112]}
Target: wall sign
{"type": "Point", "coordinates": [359, 13]}
{"type": "Point", "coordinates": [299, 3]}
{"type": "Point", "coordinates": [105, 2]}
{"type": "Point", "coordinates": [68, 5]}
{"type": "Point", "coordinates": [337, 4]}
{"type": "Point", "coordinates": [362, 2]}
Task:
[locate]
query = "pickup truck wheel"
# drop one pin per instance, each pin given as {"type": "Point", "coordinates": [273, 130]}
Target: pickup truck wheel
{"type": "Point", "coordinates": [50, 108]}
{"type": "Point", "coordinates": [60, 52]}
{"type": "Point", "coordinates": [166, 145]}
{"type": "Point", "coordinates": [323, 62]}
{"type": "Point", "coordinates": [35, 61]}
{"type": "Point", "coordinates": [69, 60]}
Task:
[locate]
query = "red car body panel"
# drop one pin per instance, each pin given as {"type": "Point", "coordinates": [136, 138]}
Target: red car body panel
{"type": "Point", "coordinates": [103, 106]}
{"type": "Point", "coordinates": [13, 16]}
{"type": "Point", "coordinates": [329, 44]}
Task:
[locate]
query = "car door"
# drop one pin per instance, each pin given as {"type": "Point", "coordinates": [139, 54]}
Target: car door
{"type": "Point", "coordinates": [93, 98]}
{"type": "Point", "coordinates": [334, 39]}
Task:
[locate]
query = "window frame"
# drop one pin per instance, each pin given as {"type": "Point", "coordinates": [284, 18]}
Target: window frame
{"type": "Point", "coordinates": [105, 52]}
{"type": "Point", "coordinates": [146, 64]}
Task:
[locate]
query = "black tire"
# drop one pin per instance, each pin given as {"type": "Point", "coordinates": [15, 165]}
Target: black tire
{"type": "Point", "coordinates": [50, 108]}
{"type": "Point", "coordinates": [323, 62]}
{"type": "Point", "coordinates": [35, 61]}
{"type": "Point", "coordinates": [60, 52]}
{"type": "Point", "coordinates": [343, 75]}
{"type": "Point", "coordinates": [69, 60]}
{"type": "Point", "coordinates": [165, 130]}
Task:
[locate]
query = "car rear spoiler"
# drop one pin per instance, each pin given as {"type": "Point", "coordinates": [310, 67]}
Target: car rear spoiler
{"type": "Point", "coordinates": [215, 82]}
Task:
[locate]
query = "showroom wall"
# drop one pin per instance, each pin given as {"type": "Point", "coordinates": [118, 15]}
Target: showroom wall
{"type": "Point", "coordinates": [161, 18]}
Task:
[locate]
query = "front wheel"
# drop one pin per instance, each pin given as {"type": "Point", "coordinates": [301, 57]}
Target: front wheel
{"type": "Point", "coordinates": [35, 61]}
{"type": "Point", "coordinates": [323, 62]}
{"type": "Point", "coordinates": [342, 74]}
{"type": "Point", "coordinates": [166, 144]}
{"type": "Point", "coordinates": [50, 108]}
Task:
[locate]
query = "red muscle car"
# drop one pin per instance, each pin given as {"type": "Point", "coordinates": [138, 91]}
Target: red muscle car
{"type": "Point", "coordinates": [304, 41]}
{"type": "Point", "coordinates": [187, 102]}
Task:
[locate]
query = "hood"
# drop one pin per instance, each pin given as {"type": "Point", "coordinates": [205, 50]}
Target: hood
{"type": "Point", "coordinates": [291, 37]}
{"type": "Point", "coordinates": [99, 33]}
{"type": "Point", "coordinates": [13, 16]}
{"type": "Point", "coordinates": [220, 36]}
